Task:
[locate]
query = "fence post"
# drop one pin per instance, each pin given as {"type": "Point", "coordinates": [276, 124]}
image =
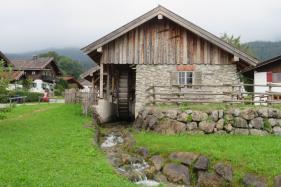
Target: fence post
{"type": "Point", "coordinates": [270, 96]}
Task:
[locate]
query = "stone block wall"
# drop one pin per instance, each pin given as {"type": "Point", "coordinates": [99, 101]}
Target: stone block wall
{"type": "Point", "coordinates": [160, 75]}
{"type": "Point", "coordinates": [250, 121]}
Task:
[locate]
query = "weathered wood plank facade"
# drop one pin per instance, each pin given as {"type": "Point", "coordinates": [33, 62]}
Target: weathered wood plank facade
{"type": "Point", "coordinates": [159, 48]}
{"type": "Point", "coordinates": [163, 42]}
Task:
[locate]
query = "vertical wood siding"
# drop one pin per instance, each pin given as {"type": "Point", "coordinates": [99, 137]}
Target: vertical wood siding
{"type": "Point", "coordinates": [162, 42]}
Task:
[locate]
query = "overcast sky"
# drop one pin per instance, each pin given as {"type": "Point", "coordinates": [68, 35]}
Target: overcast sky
{"type": "Point", "coordinates": [28, 25]}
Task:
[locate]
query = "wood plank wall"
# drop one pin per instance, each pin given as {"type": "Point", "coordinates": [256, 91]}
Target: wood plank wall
{"type": "Point", "coordinates": [162, 42]}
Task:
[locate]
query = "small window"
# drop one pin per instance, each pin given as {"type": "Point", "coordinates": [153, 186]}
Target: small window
{"type": "Point", "coordinates": [33, 72]}
{"type": "Point", "coordinates": [34, 85]}
{"type": "Point", "coordinates": [185, 77]}
{"type": "Point", "coordinates": [44, 86]}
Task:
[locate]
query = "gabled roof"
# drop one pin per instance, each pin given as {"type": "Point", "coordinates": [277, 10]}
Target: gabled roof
{"type": "Point", "coordinates": [72, 80]}
{"type": "Point", "coordinates": [85, 82]}
{"type": "Point", "coordinates": [2, 56]}
{"type": "Point", "coordinates": [13, 75]}
{"type": "Point", "coordinates": [90, 72]}
{"type": "Point", "coordinates": [177, 19]}
{"type": "Point", "coordinates": [34, 64]}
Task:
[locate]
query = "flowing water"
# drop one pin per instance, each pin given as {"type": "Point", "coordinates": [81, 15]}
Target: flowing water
{"type": "Point", "coordinates": [136, 167]}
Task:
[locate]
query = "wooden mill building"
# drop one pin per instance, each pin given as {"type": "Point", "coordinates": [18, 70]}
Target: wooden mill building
{"type": "Point", "coordinates": [159, 48]}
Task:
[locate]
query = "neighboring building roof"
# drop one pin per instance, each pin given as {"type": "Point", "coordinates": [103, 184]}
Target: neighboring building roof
{"type": "Point", "coordinates": [35, 64]}
{"type": "Point", "coordinates": [13, 75]}
{"type": "Point", "coordinates": [85, 82]}
{"type": "Point", "coordinates": [90, 72]}
{"type": "Point", "coordinates": [3, 56]}
{"type": "Point", "coordinates": [264, 63]}
{"type": "Point", "coordinates": [177, 19]}
{"type": "Point", "coordinates": [72, 80]}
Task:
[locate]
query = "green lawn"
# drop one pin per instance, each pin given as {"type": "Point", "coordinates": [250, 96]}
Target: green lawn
{"type": "Point", "coordinates": [260, 155]}
{"type": "Point", "coordinates": [47, 145]}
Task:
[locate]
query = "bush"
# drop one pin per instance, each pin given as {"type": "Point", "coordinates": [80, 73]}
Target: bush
{"type": "Point", "coordinates": [30, 96]}
{"type": "Point", "coordinates": [3, 112]}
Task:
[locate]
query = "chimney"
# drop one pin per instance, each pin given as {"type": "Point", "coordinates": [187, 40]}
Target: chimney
{"type": "Point", "coordinates": [34, 57]}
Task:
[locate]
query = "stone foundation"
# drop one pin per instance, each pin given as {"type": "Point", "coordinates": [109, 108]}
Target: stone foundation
{"type": "Point", "coordinates": [161, 75]}
{"type": "Point", "coordinates": [251, 121]}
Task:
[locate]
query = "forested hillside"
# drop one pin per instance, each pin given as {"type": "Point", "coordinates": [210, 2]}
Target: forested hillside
{"type": "Point", "coordinates": [265, 50]}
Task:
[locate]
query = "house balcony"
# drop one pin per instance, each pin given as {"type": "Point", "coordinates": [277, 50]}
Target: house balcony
{"type": "Point", "coordinates": [47, 78]}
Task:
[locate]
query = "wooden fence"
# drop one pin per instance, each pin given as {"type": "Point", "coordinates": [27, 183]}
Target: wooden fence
{"type": "Point", "coordinates": [87, 99]}
{"type": "Point", "coordinates": [224, 93]}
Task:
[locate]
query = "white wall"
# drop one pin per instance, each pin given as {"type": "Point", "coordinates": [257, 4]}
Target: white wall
{"type": "Point", "coordinates": [39, 86]}
{"type": "Point", "coordinates": [261, 78]}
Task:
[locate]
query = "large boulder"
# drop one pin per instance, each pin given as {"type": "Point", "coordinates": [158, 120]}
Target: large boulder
{"type": "Point", "coordinates": [250, 180]}
{"type": "Point", "coordinates": [158, 114]}
{"type": "Point", "coordinates": [143, 152]}
{"type": "Point", "coordinates": [191, 126]}
{"type": "Point", "coordinates": [272, 113]}
{"type": "Point", "coordinates": [263, 112]}
{"type": "Point", "coordinates": [235, 112]}
{"type": "Point", "coordinates": [277, 181]}
{"type": "Point", "coordinates": [177, 173]}
{"type": "Point", "coordinates": [258, 132]}
{"type": "Point", "coordinates": [239, 131]}
{"type": "Point", "coordinates": [215, 115]}
{"type": "Point", "coordinates": [276, 130]}
{"type": "Point", "coordinates": [199, 116]}
{"type": "Point", "coordinates": [157, 161]}
{"type": "Point", "coordinates": [228, 128]}
{"type": "Point", "coordinates": [240, 123]}
{"type": "Point", "coordinates": [220, 124]}
{"type": "Point", "coordinates": [169, 126]}
{"type": "Point", "coordinates": [172, 114]}
{"type": "Point", "coordinates": [206, 126]}
{"type": "Point", "coordinates": [186, 158]}
{"type": "Point", "coordinates": [151, 121]}
{"type": "Point", "coordinates": [273, 122]}
{"type": "Point", "coordinates": [210, 180]}
{"type": "Point", "coordinates": [202, 163]}
{"type": "Point", "coordinates": [183, 117]}
{"type": "Point", "coordinates": [257, 123]}
{"type": "Point", "coordinates": [248, 114]}
{"type": "Point", "coordinates": [224, 170]}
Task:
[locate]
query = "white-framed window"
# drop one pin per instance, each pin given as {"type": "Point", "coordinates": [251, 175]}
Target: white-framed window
{"type": "Point", "coordinates": [185, 77]}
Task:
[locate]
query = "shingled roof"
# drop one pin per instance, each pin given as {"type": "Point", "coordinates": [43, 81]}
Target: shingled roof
{"type": "Point", "coordinates": [2, 56]}
{"type": "Point", "coordinates": [160, 10]}
{"type": "Point", "coordinates": [35, 64]}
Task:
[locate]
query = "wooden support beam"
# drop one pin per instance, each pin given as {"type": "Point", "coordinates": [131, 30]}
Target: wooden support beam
{"type": "Point", "coordinates": [101, 80]}
{"type": "Point", "coordinates": [107, 83]}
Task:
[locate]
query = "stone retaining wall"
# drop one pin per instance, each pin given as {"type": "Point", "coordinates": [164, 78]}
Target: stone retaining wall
{"type": "Point", "coordinates": [251, 121]}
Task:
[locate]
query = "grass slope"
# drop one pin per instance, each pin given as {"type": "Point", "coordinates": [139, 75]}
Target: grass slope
{"type": "Point", "coordinates": [46, 145]}
{"type": "Point", "coordinates": [260, 155]}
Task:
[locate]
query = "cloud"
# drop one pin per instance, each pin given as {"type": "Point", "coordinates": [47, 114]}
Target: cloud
{"type": "Point", "coordinates": [37, 24]}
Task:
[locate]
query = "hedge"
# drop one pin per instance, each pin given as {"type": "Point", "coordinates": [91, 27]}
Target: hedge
{"type": "Point", "coordinates": [30, 96]}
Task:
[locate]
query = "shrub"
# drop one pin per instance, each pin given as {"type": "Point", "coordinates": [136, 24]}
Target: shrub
{"type": "Point", "coordinates": [30, 96]}
{"type": "Point", "coordinates": [3, 112]}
